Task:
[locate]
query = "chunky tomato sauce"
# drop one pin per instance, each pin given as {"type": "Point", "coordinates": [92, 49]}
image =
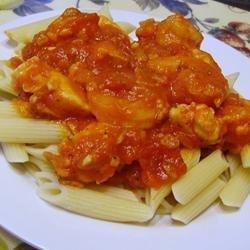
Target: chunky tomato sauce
{"type": "Point", "coordinates": [130, 105]}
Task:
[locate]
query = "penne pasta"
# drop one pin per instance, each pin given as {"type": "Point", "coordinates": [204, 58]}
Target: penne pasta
{"type": "Point", "coordinates": [234, 162]}
{"type": "Point", "coordinates": [14, 153]}
{"type": "Point", "coordinates": [104, 11]}
{"type": "Point", "coordinates": [8, 109]}
{"type": "Point", "coordinates": [199, 177]}
{"type": "Point", "coordinates": [225, 176]}
{"type": "Point", "coordinates": [186, 213]}
{"type": "Point", "coordinates": [231, 79]}
{"type": "Point", "coordinates": [38, 152]}
{"type": "Point", "coordinates": [18, 49]}
{"type": "Point", "coordinates": [106, 17]}
{"type": "Point", "coordinates": [126, 27]}
{"type": "Point", "coordinates": [158, 195]}
{"type": "Point", "coordinates": [140, 194]}
{"type": "Point", "coordinates": [147, 196]}
{"type": "Point", "coordinates": [165, 208]}
{"type": "Point", "coordinates": [94, 204]}
{"type": "Point", "coordinates": [5, 79]}
{"type": "Point", "coordinates": [25, 33]}
{"type": "Point", "coordinates": [191, 157]}
{"type": "Point", "coordinates": [31, 168]}
{"type": "Point", "coordinates": [45, 177]}
{"type": "Point", "coordinates": [44, 166]}
{"type": "Point", "coordinates": [19, 130]}
{"type": "Point", "coordinates": [245, 156]}
{"type": "Point", "coordinates": [237, 189]}
{"type": "Point", "coordinates": [121, 193]}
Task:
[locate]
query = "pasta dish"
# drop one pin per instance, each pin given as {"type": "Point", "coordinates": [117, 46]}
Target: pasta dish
{"type": "Point", "coordinates": [122, 129]}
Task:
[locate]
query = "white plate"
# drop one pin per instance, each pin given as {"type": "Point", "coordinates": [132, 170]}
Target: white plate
{"type": "Point", "coordinates": [31, 219]}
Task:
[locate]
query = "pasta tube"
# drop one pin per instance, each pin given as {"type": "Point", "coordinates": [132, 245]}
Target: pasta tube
{"type": "Point", "coordinates": [147, 196]}
{"type": "Point", "coordinates": [115, 192]}
{"type": "Point", "coordinates": [42, 165]}
{"type": "Point", "coordinates": [165, 208]}
{"type": "Point", "coordinates": [14, 152]}
{"type": "Point", "coordinates": [45, 177]}
{"type": "Point", "coordinates": [5, 79]}
{"type": "Point", "coordinates": [232, 78]}
{"type": "Point", "coordinates": [104, 11]}
{"type": "Point", "coordinates": [245, 156]}
{"type": "Point", "coordinates": [7, 109]}
{"type": "Point", "coordinates": [191, 157]}
{"type": "Point", "coordinates": [185, 213]}
{"type": "Point", "coordinates": [19, 130]}
{"type": "Point", "coordinates": [94, 204]}
{"type": "Point", "coordinates": [237, 189]}
{"type": "Point", "coordinates": [38, 152]}
{"type": "Point", "coordinates": [199, 177]}
{"type": "Point", "coordinates": [157, 195]}
{"type": "Point", "coordinates": [31, 168]}
{"type": "Point", "coordinates": [126, 27]}
{"type": "Point", "coordinates": [140, 194]}
{"type": "Point", "coordinates": [18, 49]}
{"type": "Point", "coordinates": [234, 162]}
{"type": "Point", "coordinates": [25, 33]}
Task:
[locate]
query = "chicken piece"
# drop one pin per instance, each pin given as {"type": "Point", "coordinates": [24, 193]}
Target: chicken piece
{"type": "Point", "coordinates": [198, 119]}
{"type": "Point", "coordinates": [140, 107]}
{"type": "Point", "coordinates": [115, 95]}
{"type": "Point", "coordinates": [205, 57]}
{"type": "Point", "coordinates": [235, 113]}
{"type": "Point", "coordinates": [95, 153]}
{"type": "Point", "coordinates": [89, 156]}
{"type": "Point", "coordinates": [78, 37]}
{"type": "Point", "coordinates": [176, 29]}
{"type": "Point", "coordinates": [70, 23]}
{"type": "Point", "coordinates": [168, 54]}
{"type": "Point", "coordinates": [50, 93]}
{"type": "Point", "coordinates": [198, 81]}
{"type": "Point", "coordinates": [172, 36]}
{"type": "Point", "coordinates": [193, 77]}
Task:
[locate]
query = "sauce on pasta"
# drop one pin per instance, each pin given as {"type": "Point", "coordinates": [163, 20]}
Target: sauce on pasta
{"type": "Point", "coordinates": [130, 106]}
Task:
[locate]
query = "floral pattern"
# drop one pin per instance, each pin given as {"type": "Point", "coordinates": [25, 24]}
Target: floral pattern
{"type": "Point", "coordinates": [31, 7]}
{"type": "Point", "coordinates": [236, 34]}
{"type": "Point", "coordinates": [181, 6]}
{"type": "Point", "coordinates": [150, 4]}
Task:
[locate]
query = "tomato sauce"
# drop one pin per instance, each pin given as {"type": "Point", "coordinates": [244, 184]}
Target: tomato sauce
{"type": "Point", "coordinates": [235, 113]}
{"type": "Point", "coordinates": [123, 101]}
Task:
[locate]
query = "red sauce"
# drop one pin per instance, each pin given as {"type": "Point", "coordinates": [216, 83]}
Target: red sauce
{"type": "Point", "coordinates": [116, 98]}
{"type": "Point", "coordinates": [160, 158]}
{"type": "Point", "coordinates": [99, 150]}
{"type": "Point", "coordinates": [198, 82]}
{"type": "Point", "coordinates": [235, 113]}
